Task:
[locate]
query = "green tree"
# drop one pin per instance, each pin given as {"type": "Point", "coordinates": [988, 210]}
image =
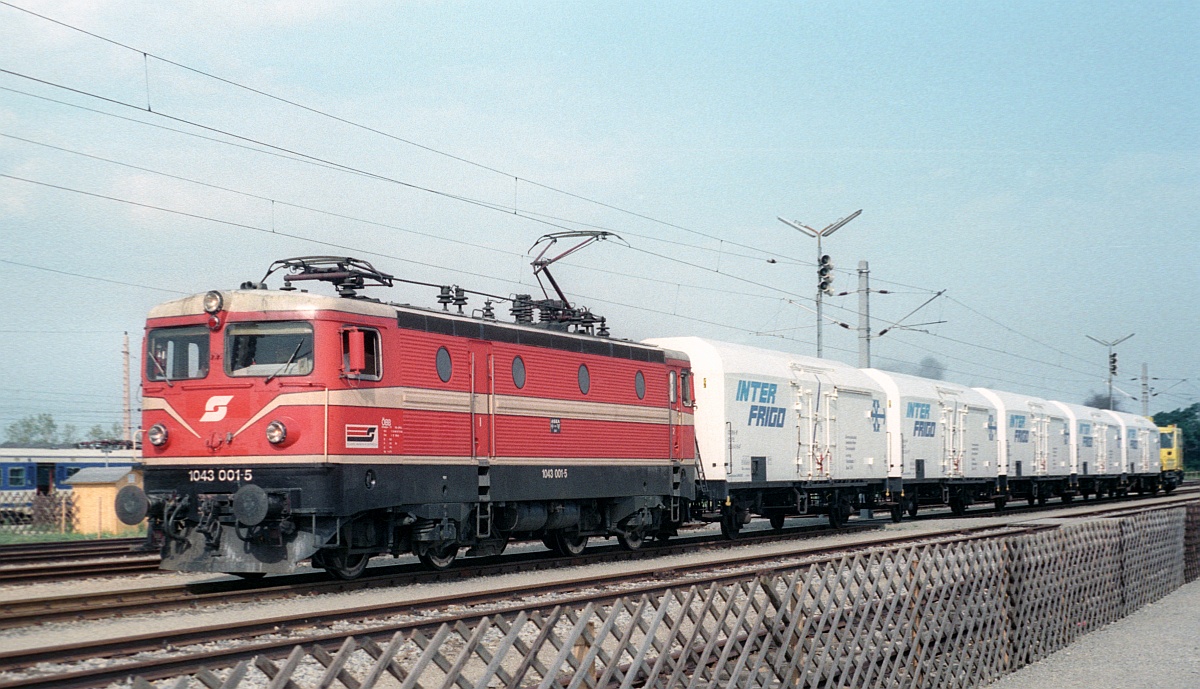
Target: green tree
{"type": "Point", "coordinates": [38, 430]}
{"type": "Point", "coordinates": [1188, 420]}
{"type": "Point", "coordinates": [97, 432]}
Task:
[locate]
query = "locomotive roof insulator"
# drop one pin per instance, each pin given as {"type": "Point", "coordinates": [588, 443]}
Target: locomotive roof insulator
{"type": "Point", "coordinates": [460, 298]}
{"type": "Point", "coordinates": [489, 312]}
{"type": "Point", "coordinates": [445, 297]}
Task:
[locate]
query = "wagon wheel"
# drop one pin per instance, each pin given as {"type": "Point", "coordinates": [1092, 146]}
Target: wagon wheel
{"type": "Point", "coordinates": [777, 520]}
{"type": "Point", "coordinates": [958, 506]}
{"type": "Point", "coordinates": [1042, 498]}
{"type": "Point", "coordinates": [897, 513]}
{"type": "Point", "coordinates": [341, 564]}
{"type": "Point", "coordinates": [1000, 503]}
{"type": "Point", "coordinates": [913, 505]}
{"type": "Point", "coordinates": [438, 556]}
{"type": "Point", "coordinates": [632, 540]}
{"type": "Point", "coordinates": [569, 544]}
{"type": "Point", "coordinates": [730, 524]}
{"type": "Point", "coordinates": [839, 511]}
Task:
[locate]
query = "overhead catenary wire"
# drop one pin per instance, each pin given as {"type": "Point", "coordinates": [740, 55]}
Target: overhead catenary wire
{"type": "Point", "coordinates": [301, 157]}
{"type": "Point", "coordinates": [374, 130]}
{"type": "Point", "coordinates": [337, 166]}
{"type": "Point", "coordinates": [352, 218]}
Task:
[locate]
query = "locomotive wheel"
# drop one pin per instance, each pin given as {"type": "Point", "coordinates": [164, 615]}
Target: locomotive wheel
{"type": "Point", "coordinates": [570, 545]}
{"type": "Point", "coordinates": [897, 513]}
{"type": "Point", "coordinates": [632, 540]}
{"type": "Point", "coordinates": [250, 576]}
{"type": "Point", "coordinates": [777, 521]}
{"type": "Point", "coordinates": [438, 556]}
{"type": "Point", "coordinates": [341, 564]}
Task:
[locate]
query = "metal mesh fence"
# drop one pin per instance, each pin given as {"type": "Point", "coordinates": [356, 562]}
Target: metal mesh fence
{"type": "Point", "coordinates": [950, 614]}
{"type": "Point", "coordinates": [32, 514]}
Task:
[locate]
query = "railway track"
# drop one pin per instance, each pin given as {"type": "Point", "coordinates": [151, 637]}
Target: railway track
{"type": "Point", "coordinates": [429, 612]}
{"type": "Point", "coordinates": [21, 553]}
{"type": "Point", "coordinates": [426, 613]}
{"type": "Point", "coordinates": [24, 612]}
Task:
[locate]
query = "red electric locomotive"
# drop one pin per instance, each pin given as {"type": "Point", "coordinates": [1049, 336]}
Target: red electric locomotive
{"type": "Point", "coordinates": [284, 425]}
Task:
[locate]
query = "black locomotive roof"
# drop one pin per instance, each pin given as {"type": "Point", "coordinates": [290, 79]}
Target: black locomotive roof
{"type": "Point", "coordinates": [415, 318]}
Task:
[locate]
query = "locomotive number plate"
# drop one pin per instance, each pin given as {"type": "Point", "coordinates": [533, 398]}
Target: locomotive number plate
{"type": "Point", "coordinates": [554, 473]}
{"type": "Point", "coordinates": [220, 475]}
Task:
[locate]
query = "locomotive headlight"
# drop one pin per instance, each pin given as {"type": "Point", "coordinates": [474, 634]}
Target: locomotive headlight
{"type": "Point", "coordinates": [157, 435]}
{"type": "Point", "coordinates": [276, 432]}
{"type": "Point", "coordinates": [213, 302]}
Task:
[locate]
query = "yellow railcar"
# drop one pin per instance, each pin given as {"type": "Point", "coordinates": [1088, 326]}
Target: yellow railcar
{"type": "Point", "coordinates": [1171, 454]}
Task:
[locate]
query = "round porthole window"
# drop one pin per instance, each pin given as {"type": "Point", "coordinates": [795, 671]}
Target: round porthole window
{"type": "Point", "coordinates": [444, 366]}
{"type": "Point", "coordinates": [639, 385]}
{"type": "Point", "coordinates": [585, 379]}
{"type": "Point", "coordinates": [518, 371]}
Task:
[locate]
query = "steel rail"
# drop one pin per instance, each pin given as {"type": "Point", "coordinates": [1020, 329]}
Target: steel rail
{"type": "Point", "coordinates": [23, 612]}
{"type": "Point", "coordinates": [664, 578]}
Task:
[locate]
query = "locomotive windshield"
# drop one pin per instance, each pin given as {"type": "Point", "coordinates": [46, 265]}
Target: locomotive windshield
{"type": "Point", "coordinates": [177, 353]}
{"type": "Point", "coordinates": [269, 349]}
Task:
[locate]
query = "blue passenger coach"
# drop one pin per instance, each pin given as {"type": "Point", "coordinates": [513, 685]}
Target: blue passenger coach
{"type": "Point", "coordinates": [25, 471]}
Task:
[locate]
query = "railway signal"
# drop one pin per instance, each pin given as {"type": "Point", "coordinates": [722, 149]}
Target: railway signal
{"type": "Point", "coordinates": [1112, 361]}
{"type": "Point", "coordinates": [825, 275]}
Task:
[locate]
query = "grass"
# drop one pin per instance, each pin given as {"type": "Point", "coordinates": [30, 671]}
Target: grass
{"type": "Point", "coordinates": [8, 536]}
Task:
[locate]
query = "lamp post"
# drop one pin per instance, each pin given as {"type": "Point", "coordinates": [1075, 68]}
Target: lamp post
{"type": "Point", "coordinates": [1112, 361]}
{"type": "Point", "coordinates": [824, 266]}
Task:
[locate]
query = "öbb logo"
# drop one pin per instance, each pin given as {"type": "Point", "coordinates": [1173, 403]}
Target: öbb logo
{"type": "Point", "coordinates": [215, 408]}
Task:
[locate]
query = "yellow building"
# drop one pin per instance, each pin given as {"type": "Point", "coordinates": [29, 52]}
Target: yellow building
{"type": "Point", "coordinates": [95, 493]}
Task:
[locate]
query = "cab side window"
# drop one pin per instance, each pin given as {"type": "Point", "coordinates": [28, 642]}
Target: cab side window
{"type": "Point", "coordinates": [362, 358]}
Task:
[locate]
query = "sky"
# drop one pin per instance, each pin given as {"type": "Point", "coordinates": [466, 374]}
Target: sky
{"type": "Point", "coordinates": [1037, 161]}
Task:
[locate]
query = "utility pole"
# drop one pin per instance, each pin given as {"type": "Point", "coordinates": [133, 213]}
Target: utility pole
{"type": "Point", "coordinates": [1145, 389]}
{"type": "Point", "coordinates": [824, 267]}
{"type": "Point", "coordinates": [864, 315]}
{"type": "Point", "coordinates": [128, 414]}
{"type": "Point", "coordinates": [1112, 361]}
